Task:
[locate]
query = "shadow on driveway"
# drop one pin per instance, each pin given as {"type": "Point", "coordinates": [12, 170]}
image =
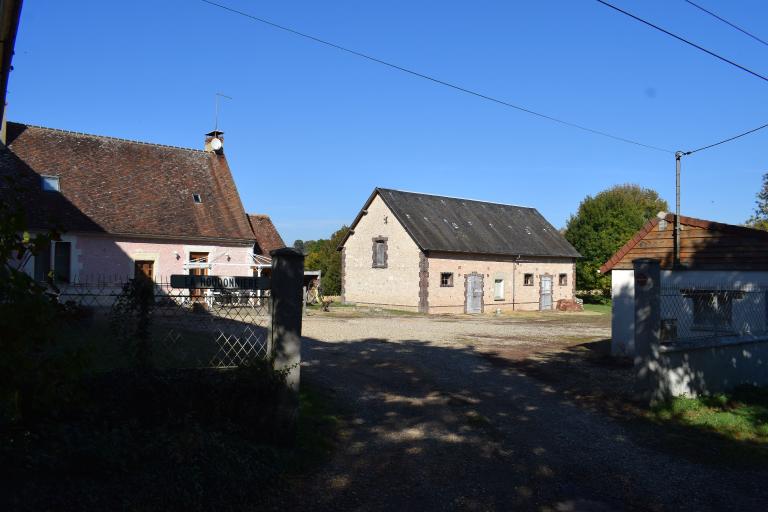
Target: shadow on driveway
{"type": "Point", "coordinates": [431, 427]}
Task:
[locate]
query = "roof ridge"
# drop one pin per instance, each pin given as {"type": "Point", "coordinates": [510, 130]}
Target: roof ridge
{"type": "Point", "coordinates": [457, 198]}
{"type": "Point", "coordinates": [109, 137]}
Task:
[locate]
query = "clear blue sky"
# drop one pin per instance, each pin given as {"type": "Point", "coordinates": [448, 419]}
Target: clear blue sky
{"type": "Point", "coordinates": [311, 131]}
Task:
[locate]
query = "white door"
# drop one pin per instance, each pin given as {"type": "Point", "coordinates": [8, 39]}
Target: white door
{"type": "Point", "coordinates": [545, 298]}
{"type": "Point", "coordinates": [474, 297]}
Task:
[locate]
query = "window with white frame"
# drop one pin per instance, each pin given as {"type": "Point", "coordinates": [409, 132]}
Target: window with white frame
{"type": "Point", "coordinates": [60, 264]}
{"type": "Point", "coordinates": [498, 289]}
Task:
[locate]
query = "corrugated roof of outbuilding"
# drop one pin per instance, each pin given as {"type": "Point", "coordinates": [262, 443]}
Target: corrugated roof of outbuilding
{"type": "Point", "coordinates": [450, 224]}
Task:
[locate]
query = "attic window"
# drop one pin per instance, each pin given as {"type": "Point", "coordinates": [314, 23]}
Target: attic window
{"type": "Point", "coordinates": [50, 183]}
{"type": "Point", "coordinates": [196, 198]}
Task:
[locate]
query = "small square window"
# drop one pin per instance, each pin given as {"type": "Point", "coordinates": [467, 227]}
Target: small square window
{"type": "Point", "coordinates": [528, 280]}
{"type": "Point", "coordinates": [50, 183]}
{"type": "Point", "coordinates": [196, 198]}
{"type": "Point", "coordinates": [446, 279]}
{"type": "Point", "coordinates": [563, 280]}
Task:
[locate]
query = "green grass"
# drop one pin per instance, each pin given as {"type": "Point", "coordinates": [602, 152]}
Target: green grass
{"type": "Point", "coordinates": [603, 309]}
{"type": "Point", "coordinates": [741, 415]}
{"type": "Point", "coordinates": [725, 429]}
{"type": "Point", "coordinates": [317, 429]}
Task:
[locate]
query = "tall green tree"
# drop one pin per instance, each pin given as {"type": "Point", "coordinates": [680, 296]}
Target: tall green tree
{"type": "Point", "coordinates": [322, 255]}
{"type": "Point", "coordinates": [759, 218]}
{"type": "Point", "coordinates": [603, 224]}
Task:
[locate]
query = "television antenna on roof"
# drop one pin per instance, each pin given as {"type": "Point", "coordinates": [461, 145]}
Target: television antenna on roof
{"type": "Point", "coordinates": [216, 119]}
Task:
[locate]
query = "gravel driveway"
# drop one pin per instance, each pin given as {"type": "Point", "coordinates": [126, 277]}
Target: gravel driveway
{"type": "Point", "coordinates": [431, 424]}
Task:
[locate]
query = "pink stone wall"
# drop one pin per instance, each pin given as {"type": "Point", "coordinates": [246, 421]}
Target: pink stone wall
{"type": "Point", "coordinates": [95, 257]}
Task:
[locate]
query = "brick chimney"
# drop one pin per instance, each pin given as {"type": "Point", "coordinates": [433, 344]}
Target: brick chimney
{"type": "Point", "coordinates": [214, 142]}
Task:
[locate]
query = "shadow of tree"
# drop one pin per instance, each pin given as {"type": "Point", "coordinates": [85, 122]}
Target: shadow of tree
{"type": "Point", "coordinates": [435, 427]}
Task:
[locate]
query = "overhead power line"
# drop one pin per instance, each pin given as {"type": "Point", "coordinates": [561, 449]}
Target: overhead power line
{"type": "Point", "coordinates": [436, 80]}
{"type": "Point", "coordinates": [713, 54]}
{"type": "Point", "coordinates": [753, 36]}
{"type": "Point", "coordinates": [753, 130]}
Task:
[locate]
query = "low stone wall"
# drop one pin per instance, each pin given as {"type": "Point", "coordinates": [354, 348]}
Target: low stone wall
{"type": "Point", "coordinates": [713, 368]}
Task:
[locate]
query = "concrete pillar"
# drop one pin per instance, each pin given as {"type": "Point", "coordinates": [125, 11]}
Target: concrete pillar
{"type": "Point", "coordinates": [647, 325]}
{"type": "Point", "coordinates": [287, 282]}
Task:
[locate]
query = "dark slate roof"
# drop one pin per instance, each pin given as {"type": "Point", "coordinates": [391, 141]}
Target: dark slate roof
{"type": "Point", "coordinates": [265, 233]}
{"type": "Point", "coordinates": [123, 187]}
{"type": "Point", "coordinates": [449, 224]}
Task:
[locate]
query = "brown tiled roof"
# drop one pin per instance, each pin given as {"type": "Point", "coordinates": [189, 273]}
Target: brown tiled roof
{"type": "Point", "coordinates": [704, 245]}
{"type": "Point", "coordinates": [124, 187]}
{"type": "Point", "coordinates": [267, 237]}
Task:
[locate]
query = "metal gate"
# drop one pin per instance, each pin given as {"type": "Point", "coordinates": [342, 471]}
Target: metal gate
{"type": "Point", "coordinates": [545, 297]}
{"type": "Point", "coordinates": [474, 290]}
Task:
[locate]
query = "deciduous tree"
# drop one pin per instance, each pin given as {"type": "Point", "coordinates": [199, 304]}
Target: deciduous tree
{"type": "Point", "coordinates": [603, 224]}
{"type": "Point", "coordinates": [322, 255]}
{"type": "Point", "coordinates": [759, 219]}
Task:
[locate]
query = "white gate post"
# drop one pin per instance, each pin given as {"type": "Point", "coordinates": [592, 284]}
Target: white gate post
{"type": "Point", "coordinates": [286, 283]}
{"type": "Point", "coordinates": [647, 326]}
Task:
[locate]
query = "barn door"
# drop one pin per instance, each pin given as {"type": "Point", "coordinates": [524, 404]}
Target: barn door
{"type": "Point", "coordinates": [474, 298]}
{"type": "Point", "coordinates": [545, 298]}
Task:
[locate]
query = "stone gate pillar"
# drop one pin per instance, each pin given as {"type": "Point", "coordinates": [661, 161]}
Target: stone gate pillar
{"type": "Point", "coordinates": [647, 325]}
{"type": "Point", "coordinates": [286, 285]}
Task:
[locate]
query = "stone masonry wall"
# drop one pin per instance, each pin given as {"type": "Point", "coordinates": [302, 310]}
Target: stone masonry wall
{"type": "Point", "coordinates": [526, 298]}
{"type": "Point", "coordinates": [397, 285]}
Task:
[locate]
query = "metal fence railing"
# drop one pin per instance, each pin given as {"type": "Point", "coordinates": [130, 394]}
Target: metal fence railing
{"type": "Point", "coordinates": [186, 327]}
{"type": "Point", "coordinates": [709, 312]}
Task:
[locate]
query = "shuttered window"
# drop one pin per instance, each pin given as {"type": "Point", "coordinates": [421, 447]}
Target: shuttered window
{"type": "Point", "coordinates": [379, 256]}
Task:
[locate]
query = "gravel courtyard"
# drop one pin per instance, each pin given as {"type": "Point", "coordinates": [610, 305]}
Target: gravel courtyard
{"type": "Point", "coordinates": [433, 421]}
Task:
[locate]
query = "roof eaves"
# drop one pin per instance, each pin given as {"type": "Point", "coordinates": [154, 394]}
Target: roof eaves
{"type": "Point", "coordinates": [618, 255]}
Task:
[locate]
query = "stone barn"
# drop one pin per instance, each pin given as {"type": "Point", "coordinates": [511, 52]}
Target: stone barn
{"type": "Point", "coordinates": [433, 254]}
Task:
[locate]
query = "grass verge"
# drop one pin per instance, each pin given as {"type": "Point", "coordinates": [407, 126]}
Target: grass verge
{"type": "Point", "coordinates": [730, 427]}
{"type": "Point", "coordinates": [603, 309]}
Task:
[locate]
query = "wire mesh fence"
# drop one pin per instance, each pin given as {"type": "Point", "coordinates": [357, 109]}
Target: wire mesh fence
{"type": "Point", "coordinates": [183, 328]}
{"type": "Point", "coordinates": [691, 314]}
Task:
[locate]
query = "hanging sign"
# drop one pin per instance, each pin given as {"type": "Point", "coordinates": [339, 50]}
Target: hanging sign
{"type": "Point", "coordinates": [219, 282]}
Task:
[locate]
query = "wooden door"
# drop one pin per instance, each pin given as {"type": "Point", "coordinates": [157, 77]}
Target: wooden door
{"type": "Point", "coordinates": [144, 268]}
{"type": "Point", "coordinates": [474, 297]}
{"type": "Point", "coordinates": [196, 258]}
{"type": "Point", "coordinates": [545, 293]}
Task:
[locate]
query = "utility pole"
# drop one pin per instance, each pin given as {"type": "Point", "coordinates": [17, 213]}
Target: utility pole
{"type": "Point", "coordinates": [678, 156]}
